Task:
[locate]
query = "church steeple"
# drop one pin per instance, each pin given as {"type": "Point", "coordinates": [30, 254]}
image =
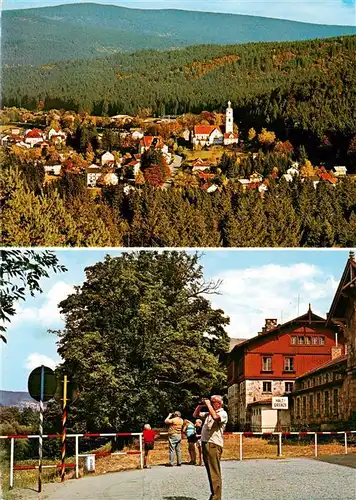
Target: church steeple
{"type": "Point", "coordinates": [229, 122]}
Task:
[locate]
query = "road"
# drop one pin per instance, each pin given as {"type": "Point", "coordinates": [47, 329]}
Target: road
{"type": "Point", "coordinates": [285, 479]}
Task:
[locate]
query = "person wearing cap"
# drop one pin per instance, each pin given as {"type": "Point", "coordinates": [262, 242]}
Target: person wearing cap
{"type": "Point", "coordinates": [175, 423]}
{"type": "Point", "coordinates": [212, 437]}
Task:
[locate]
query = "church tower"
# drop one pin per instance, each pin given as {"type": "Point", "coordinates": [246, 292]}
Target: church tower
{"type": "Point", "coordinates": [229, 123]}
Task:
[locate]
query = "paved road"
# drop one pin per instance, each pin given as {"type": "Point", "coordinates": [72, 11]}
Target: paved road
{"type": "Point", "coordinates": [289, 479]}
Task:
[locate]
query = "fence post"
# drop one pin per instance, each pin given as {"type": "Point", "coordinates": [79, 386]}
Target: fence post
{"type": "Point", "coordinates": [12, 447]}
{"type": "Point", "coordinates": [315, 444]}
{"type": "Point", "coordinates": [279, 444]}
{"type": "Point", "coordinates": [141, 452]}
{"type": "Point", "coordinates": [241, 455]}
{"type": "Point", "coordinates": [345, 438]}
{"type": "Point", "coordinates": [76, 457]}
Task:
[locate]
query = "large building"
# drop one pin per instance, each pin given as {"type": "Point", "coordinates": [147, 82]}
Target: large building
{"type": "Point", "coordinates": [210, 135]}
{"type": "Point", "coordinates": [268, 364]}
{"type": "Point", "coordinates": [325, 398]}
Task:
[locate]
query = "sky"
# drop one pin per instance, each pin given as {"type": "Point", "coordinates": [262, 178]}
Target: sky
{"type": "Point", "coordinates": [256, 284]}
{"type": "Point", "coordinates": [340, 12]}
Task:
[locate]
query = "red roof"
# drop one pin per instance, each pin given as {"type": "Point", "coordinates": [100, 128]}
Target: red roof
{"type": "Point", "coordinates": [325, 176]}
{"type": "Point", "coordinates": [204, 129]}
{"type": "Point", "coordinates": [230, 135]}
{"type": "Point", "coordinates": [147, 140]}
{"type": "Point", "coordinates": [35, 134]}
{"type": "Point", "coordinates": [204, 176]}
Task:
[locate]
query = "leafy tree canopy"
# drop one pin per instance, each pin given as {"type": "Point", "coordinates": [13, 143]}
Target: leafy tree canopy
{"type": "Point", "coordinates": [141, 339]}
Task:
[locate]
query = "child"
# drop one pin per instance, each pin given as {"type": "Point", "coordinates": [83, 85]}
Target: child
{"type": "Point", "coordinates": [198, 426]}
{"type": "Point", "coordinates": [149, 442]}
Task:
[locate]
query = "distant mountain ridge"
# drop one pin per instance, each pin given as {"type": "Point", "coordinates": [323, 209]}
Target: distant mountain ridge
{"type": "Point", "coordinates": [81, 31]}
{"type": "Point", "coordinates": [18, 399]}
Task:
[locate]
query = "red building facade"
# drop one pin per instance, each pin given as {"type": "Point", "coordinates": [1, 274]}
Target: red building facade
{"type": "Point", "coordinates": [268, 364]}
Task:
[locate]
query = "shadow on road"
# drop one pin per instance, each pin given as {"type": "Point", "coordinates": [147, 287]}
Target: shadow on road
{"type": "Point", "coordinates": [179, 498]}
{"type": "Point", "coordinates": [345, 460]}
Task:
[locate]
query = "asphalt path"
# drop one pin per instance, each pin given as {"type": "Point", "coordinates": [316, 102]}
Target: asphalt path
{"type": "Point", "coordinates": [284, 479]}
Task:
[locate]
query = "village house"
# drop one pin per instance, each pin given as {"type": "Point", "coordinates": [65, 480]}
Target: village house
{"type": "Point", "coordinates": [340, 171]}
{"type": "Point", "coordinates": [34, 136]}
{"type": "Point", "coordinates": [209, 135]}
{"type": "Point", "coordinates": [52, 168]}
{"type": "Point", "coordinates": [268, 364]}
{"type": "Point", "coordinates": [136, 133]}
{"type": "Point", "coordinates": [93, 173]}
{"type": "Point", "coordinates": [107, 158]}
{"type": "Point", "coordinates": [57, 137]}
{"type": "Point", "coordinates": [200, 164]}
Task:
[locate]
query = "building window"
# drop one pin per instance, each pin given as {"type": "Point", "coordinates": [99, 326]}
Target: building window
{"type": "Point", "coordinates": [322, 340]}
{"type": "Point", "coordinates": [267, 387]}
{"type": "Point", "coordinates": [326, 403]}
{"type": "Point", "coordinates": [289, 364]}
{"type": "Point", "coordinates": [288, 386]}
{"type": "Point", "coordinates": [294, 339]}
{"type": "Point", "coordinates": [308, 340]}
{"type": "Point", "coordinates": [336, 401]}
{"type": "Point", "coordinates": [304, 407]}
{"type": "Point", "coordinates": [267, 364]}
{"type": "Point", "coordinates": [301, 339]}
{"type": "Point", "coordinates": [315, 340]}
{"type": "Point", "coordinates": [318, 400]}
{"type": "Point", "coordinates": [311, 405]}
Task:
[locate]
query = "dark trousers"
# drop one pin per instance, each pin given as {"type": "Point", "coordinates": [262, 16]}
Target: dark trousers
{"type": "Point", "coordinates": [212, 456]}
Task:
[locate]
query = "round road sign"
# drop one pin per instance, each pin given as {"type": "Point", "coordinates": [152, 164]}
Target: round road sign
{"type": "Point", "coordinates": [49, 383]}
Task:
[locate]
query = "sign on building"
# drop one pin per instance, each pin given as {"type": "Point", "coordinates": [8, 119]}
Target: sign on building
{"type": "Point", "coordinates": [279, 403]}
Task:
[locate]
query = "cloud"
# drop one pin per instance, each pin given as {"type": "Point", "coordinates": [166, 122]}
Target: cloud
{"type": "Point", "coordinates": [249, 296]}
{"type": "Point", "coordinates": [36, 359]}
{"type": "Point", "coordinates": [47, 314]}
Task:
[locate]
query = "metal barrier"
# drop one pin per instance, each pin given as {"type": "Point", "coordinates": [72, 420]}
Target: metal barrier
{"type": "Point", "coordinates": [287, 434]}
{"type": "Point", "coordinates": [279, 435]}
{"type": "Point", "coordinates": [75, 465]}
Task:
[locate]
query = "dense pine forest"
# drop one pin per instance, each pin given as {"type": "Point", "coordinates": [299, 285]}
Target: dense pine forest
{"type": "Point", "coordinates": [289, 215]}
{"type": "Point", "coordinates": [303, 90]}
{"type": "Point", "coordinates": [87, 30]}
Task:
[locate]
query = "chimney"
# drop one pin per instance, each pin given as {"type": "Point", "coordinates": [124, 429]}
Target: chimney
{"type": "Point", "coordinates": [269, 324]}
{"type": "Point", "coordinates": [352, 256]}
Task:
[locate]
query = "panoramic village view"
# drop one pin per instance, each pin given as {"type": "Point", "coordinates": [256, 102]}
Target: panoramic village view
{"type": "Point", "coordinates": [210, 145]}
{"type": "Point", "coordinates": [178, 233]}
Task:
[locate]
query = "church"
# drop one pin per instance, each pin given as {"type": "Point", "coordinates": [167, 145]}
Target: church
{"type": "Point", "coordinates": [210, 135]}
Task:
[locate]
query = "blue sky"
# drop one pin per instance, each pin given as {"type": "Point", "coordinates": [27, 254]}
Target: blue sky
{"type": "Point", "coordinates": [313, 11]}
{"type": "Point", "coordinates": [257, 284]}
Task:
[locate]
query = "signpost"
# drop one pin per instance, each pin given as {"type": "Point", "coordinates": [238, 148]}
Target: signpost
{"type": "Point", "coordinates": [64, 428]}
{"type": "Point", "coordinates": [279, 403]}
{"type": "Point", "coordinates": [42, 384]}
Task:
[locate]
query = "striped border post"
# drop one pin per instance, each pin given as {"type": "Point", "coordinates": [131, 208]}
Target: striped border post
{"type": "Point", "coordinates": [40, 437]}
{"type": "Point", "coordinates": [64, 428]}
{"type": "Point", "coordinates": [12, 450]}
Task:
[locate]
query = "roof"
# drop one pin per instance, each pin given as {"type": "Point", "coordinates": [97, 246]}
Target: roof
{"type": "Point", "coordinates": [205, 129]}
{"type": "Point", "coordinates": [325, 176]}
{"type": "Point", "coordinates": [229, 135]}
{"type": "Point", "coordinates": [93, 170]}
{"type": "Point", "coordinates": [150, 140]}
{"type": "Point", "coordinates": [348, 280]}
{"type": "Point", "coordinates": [308, 317]}
{"type": "Point", "coordinates": [328, 364]}
{"type": "Point", "coordinates": [34, 134]}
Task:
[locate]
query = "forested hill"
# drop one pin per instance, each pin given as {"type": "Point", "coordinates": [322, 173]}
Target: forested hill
{"type": "Point", "coordinates": [86, 30]}
{"type": "Point", "coordinates": [307, 86]}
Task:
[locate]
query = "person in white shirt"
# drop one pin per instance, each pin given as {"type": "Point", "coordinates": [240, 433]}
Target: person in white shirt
{"type": "Point", "coordinates": [212, 438]}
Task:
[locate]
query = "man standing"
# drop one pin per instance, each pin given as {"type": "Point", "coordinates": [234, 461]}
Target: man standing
{"type": "Point", "coordinates": [212, 437]}
{"type": "Point", "coordinates": [175, 422]}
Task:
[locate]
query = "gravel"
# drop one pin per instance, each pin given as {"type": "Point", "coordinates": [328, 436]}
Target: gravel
{"type": "Point", "coordinates": [285, 479]}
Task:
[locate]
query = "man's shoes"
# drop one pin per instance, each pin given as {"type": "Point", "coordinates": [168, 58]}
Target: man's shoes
{"type": "Point", "coordinates": [169, 465]}
{"type": "Point", "coordinates": [179, 465]}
